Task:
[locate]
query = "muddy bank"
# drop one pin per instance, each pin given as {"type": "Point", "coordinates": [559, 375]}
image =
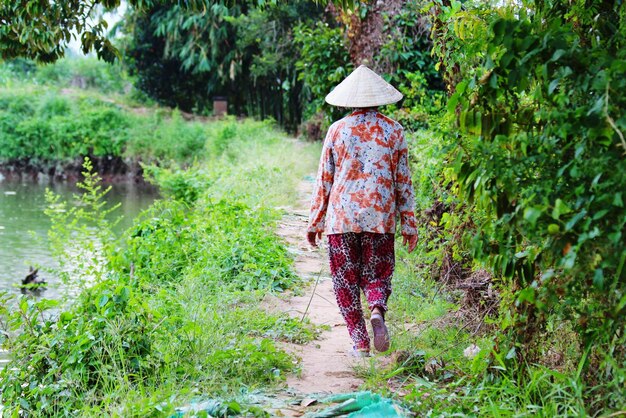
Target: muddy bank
{"type": "Point", "coordinates": [111, 169]}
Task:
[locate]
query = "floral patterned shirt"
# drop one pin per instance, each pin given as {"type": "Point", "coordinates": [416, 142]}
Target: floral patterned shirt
{"type": "Point", "coordinates": [363, 182]}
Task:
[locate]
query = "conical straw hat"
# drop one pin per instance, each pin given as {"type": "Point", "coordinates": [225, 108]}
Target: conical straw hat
{"type": "Point", "coordinates": [363, 88]}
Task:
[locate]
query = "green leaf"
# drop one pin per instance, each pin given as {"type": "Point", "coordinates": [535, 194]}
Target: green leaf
{"type": "Point", "coordinates": [45, 304]}
{"type": "Point", "coordinates": [234, 407]}
{"type": "Point", "coordinates": [511, 354]}
{"type": "Point", "coordinates": [557, 54]}
{"type": "Point", "coordinates": [600, 214]}
{"type": "Point", "coordinates": [526, 295]}
{"type": "Point", "coordinates": [615, 237]}
{"type": "Point", "coordinates": [617, 200]}
{"type": "Point", "coordinates": [66, 316]}
{"type": "Point", "coordinates": [493, 81]}
{"type": "Point", "coordinates": [560, 208]}
{"type": "Point", "coordinates": [572, 222]}
{"type": "Point", "coordinates": [553, 85]}
{"type": "Point", "coordinates": [452, 101]}
{"type": "Point", "coordinates": [597, 107]}
{"type": "Point", "coordinates": [24, 404]}
{"type": "Point", "coordinates": [24, 304]}
{"type": "Point", "coordinates": [598, 279]}
{"type": "Point", "coordinates": [103, 300]}
{"type": "Point", "coordinates": [531, 214]}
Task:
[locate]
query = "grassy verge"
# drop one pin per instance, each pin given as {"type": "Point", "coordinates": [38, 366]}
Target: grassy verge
{"type": "Point", "coordinates": [171, 314]}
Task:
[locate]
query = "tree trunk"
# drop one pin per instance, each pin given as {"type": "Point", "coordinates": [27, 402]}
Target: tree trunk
{"type": "Point", "coordinates": [365, 28]}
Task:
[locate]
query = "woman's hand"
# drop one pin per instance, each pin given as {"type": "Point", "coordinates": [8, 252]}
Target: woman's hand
{"type": "Point", "coordinates": [410, 240]}
{"type": "Point", "coordinates": [311, 236]}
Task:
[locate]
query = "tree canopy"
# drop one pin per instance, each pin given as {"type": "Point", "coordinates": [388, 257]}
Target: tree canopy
{"type": "Point", "coordinates": [41, 29]}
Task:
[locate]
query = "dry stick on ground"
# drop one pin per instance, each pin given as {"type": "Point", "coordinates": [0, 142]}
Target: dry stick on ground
{"type": "Point", "coordinates": [312, 295]}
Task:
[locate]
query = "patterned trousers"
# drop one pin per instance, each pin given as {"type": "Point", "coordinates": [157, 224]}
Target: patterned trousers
{"type": "Point", "coordinates": [361, 261]}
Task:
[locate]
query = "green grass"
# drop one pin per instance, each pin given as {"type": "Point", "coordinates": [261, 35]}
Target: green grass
{"type": "Point", "coordinates": [429, 373]}
{"type": "Point", "coordinates": [84, 72]}
{"type": "Point", "coordinates": [249, 161]}
{"type": "Point", "coordinates": [174, 313]}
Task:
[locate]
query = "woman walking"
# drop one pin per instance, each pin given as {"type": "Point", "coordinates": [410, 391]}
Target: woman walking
{"type": "Point", "coordinates": [363, 186]}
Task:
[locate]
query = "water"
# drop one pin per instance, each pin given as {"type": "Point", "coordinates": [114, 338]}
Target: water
{"type": "Point", "coordinates": [24, 229]}
{"type": "Point", "coordinates": [21, 216]}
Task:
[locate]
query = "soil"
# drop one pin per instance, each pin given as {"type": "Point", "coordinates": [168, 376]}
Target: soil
{"type": "Point", "coordinates": [110, 169]}
{"type": "Point", "coordinates": [326, 366]}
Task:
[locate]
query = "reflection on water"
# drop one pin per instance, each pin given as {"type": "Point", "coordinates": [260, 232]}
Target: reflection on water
{"type": "Point", "coordinates": [24, 227]}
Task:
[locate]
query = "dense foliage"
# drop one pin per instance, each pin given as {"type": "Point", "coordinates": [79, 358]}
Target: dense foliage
{"type": "Point", "coordinates": [55, 128]}
{"type": "Point", "coordinates": [184, 57]}
{"type": "Point", "coordinates": [41, 29]}
{"type": "Point", "coordinates": [540, 152]}
{"type": "Point", "coordinates": [168, 308]}
{"type": "Point", "coordinates": [49, 130]}
{"type": "Point", "coordinates": [520, 185]}
{"type": "Point", "coordinates": [323, 63]}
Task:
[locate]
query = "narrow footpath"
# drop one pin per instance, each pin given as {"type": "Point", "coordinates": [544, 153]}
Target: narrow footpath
{"type": "Point", "coordinates": [326, 366]}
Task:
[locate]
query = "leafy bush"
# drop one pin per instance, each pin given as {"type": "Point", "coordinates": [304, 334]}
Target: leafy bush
{"type": "Point", "coordinates": [324, 62]}
{"type": "Point", "coordinates": [51, 128]}
{"type": "Point", "coordinates": [235, 248]}
{"type": "Point", "coordinates": [160, 314]}
{"type": "Point", "coordinates": [104, 338]}
{"type": "Point", "coordinates": [539, 149]}
{"type": "Point", "coordinates": [46, 128]}
{"type": "Point", "coordinates": [243, 252]}
{"type": "Point", "coordinates": [160, 138]}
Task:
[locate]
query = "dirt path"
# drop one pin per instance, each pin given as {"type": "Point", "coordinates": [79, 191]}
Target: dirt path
{"type": "Point", "coordinates": [326, 365]}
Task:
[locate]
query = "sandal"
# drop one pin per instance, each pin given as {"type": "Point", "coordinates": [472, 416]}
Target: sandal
{"type": "Point", "coordinates": [381, 335]}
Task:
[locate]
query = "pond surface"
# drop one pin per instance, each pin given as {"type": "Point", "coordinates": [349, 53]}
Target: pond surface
{"type": "Point", "coordinates": [24, 226]}
{"type": "Point", "coordinates": [24, 229]}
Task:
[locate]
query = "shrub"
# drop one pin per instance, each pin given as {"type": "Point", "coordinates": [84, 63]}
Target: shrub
{"type": "Point", "coordinates": [323, 64]}
{"type": "Point", "coordinates": [52, 128]}
{"type": "Point", "coordinates": [164, 139]}
{"type": "Point", "coordinates": [539, 152]}
{"type": "Point", "coordinates": [161, 315]}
